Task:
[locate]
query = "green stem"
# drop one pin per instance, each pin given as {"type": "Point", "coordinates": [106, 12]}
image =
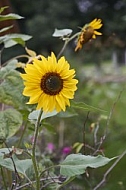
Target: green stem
{"type": "Point", "coordinates": [34, 151]}
{"type": "Point", "coordinates": [63, 48]}
{"type": "Point", "coordinates": [16, 57]}
{"type": "Point", "coordinates": [66, 42]}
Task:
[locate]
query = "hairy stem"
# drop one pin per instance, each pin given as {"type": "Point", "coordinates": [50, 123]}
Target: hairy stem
{"type": "Point", "coordinates": [16, 57]}
{"type": "Point", "coordinates": [34, 151]}
{"type": "Point", "coordinates": [65, 44]}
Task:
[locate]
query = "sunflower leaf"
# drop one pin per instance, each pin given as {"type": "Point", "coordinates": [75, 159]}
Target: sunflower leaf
{"type": "Point", "coordinates": [82, 105]}
{"type": "Point", "coordinates": [76, 164]}
{"type": "Point", "coordinates": [62, 33]}
{"type": "Point", "coordinates": [11, 89]}
{"type": "Point", "coordinates": [10, 121]}
{"type": "Point", "coordinates": [10, 40]}
{"type": "Point", "coordinates": [35, 114]}
{"type": "Point", "coordinates": [68, 113]}
{"type": "Point", "coordinates": [6, 28]}
{"type": "Point", "coordinates": [10, 66]}
{"type": "Point", "coordinates": [4, 151]}
{"type": "Point", "coordinates": [10, 16]}
{"type": "Point", "coordinates": [21, 165]}
{"type": "Point", "coordinates": [3, 8]}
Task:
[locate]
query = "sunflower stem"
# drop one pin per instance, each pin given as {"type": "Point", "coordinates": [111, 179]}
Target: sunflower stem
{"type": "Point", "coordinates": [34, 160]}
{"type": "Point", "coordinates": [65, 44]}
{"type": "Point", "coordinates": [16, 57]}
{"type": "Point", "coordinates": [63, 48]}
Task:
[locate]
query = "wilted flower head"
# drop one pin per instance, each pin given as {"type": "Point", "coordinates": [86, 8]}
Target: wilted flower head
{"type": "Point", "coordinates": [88, 32]}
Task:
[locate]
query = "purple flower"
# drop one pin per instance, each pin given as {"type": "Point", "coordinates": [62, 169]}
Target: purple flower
{"type": "Point", "coordinates": [50, 147]}
{"type": "Point", "coordinates": [66, 150]}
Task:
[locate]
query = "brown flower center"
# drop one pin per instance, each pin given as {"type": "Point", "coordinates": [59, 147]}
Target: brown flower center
{"type": "Point", "coordinates": [87, 34]}
{"type": "Point", "coordinates": [51, 83]}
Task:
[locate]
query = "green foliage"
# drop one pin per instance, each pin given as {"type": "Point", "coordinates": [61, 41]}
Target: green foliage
{"type": "Point", "coordinates": [70, 112]}
{"type": "Point", "coordinates": [3, 8]}
{"type": "Point", "coordinates": [10, 40]}
{"type": "Point", "coordinates": [6, 28]}
{"type": "Point", "coordinates": [62, 33]}
{"type": "Point", "coordinates": [10, 16]}
{"type": "Point", "coordinates": [10, 66]}
{"type": "Point", "coordinates": [76, 164]}
{"type": "Point", "coordinates": [35, 114]}
{"type": "Point", "coordinates": [11, 89]}
{"type": "Point", "coordinates": [10, 121]}
{"type": "Point", "coordinates": [82, 105]}
{"type": "Point", "coordinates": [13, 163]}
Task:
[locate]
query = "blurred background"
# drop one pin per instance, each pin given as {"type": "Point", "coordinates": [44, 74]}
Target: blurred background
{"type": "Point", "coordinates": [100, 68]}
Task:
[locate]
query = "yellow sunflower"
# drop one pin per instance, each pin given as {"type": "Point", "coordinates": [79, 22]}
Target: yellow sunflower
{"type": "Point", "coordinates": [49, 83]}
{"type": "Point", "coordinates": [87, 32]}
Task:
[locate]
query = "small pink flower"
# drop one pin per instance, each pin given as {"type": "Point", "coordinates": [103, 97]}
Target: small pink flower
{"type": "Point", "coordinates": [66, 150]}
{"type": "Point", "coordinates": [50, 147]}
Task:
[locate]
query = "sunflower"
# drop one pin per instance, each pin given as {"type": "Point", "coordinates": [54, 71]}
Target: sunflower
{"type": "Point", "coordinates": [49, 83]}
{"type": "Point", "coordinates": [87, 32]}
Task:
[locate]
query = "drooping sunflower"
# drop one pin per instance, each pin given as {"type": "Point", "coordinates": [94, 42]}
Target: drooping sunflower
{"type": "Point", "coordinates": [49, 83]}
{"type": "Point", "coordinates": [88, 32]}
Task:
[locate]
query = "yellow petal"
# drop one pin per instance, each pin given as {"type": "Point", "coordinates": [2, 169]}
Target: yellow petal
{"type": "Point", "coordinates": [67, 93]}
{"type": "Point", "coordinates": [60, 101]}
{"type": "Point", "coordinates": [97, 33]}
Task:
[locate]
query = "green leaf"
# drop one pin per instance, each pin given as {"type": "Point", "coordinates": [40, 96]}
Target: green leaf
{"type": "Point", "coordinates": [11, 65]}
{"type": "Point", "coordinates": [21, 165]}
{"type": "Point", "coordinates": [76, 164]}
{"type": "Point", "coordinates": [68, 113]}
{"type": "Point", "coordinates": [82, 105]}
{"type": "Point", "coordinates": [4, 151]}
{"type": "Point", "coordinates": [3, 8]}
{"type": "Point", "coordinates": [62, 33]}
{"type": "Point", "coordinates": [10, 40]}
{"type": "Point", "coordinates": [78, 146]}
{"type": "Point", "coordinates": [35, 114]}
{"type": "Point", "coordinates": [11, 90]}
{"type": "Point", "coordinates": [10, 121]}
{"type": "Point", "coordinates": [6, 28]}
{"type": "Point", "coordinates": [18, 41]}
{"type": "Point", "coordinates": [10, 16]}
{"type": "Point", "coordinates": [48, 114]}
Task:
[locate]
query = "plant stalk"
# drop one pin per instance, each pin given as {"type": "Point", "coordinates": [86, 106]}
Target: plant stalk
{"type": "Point", "coordinates": [65, 44]}
{"type": "Point", "coordinates": [37, 177]}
